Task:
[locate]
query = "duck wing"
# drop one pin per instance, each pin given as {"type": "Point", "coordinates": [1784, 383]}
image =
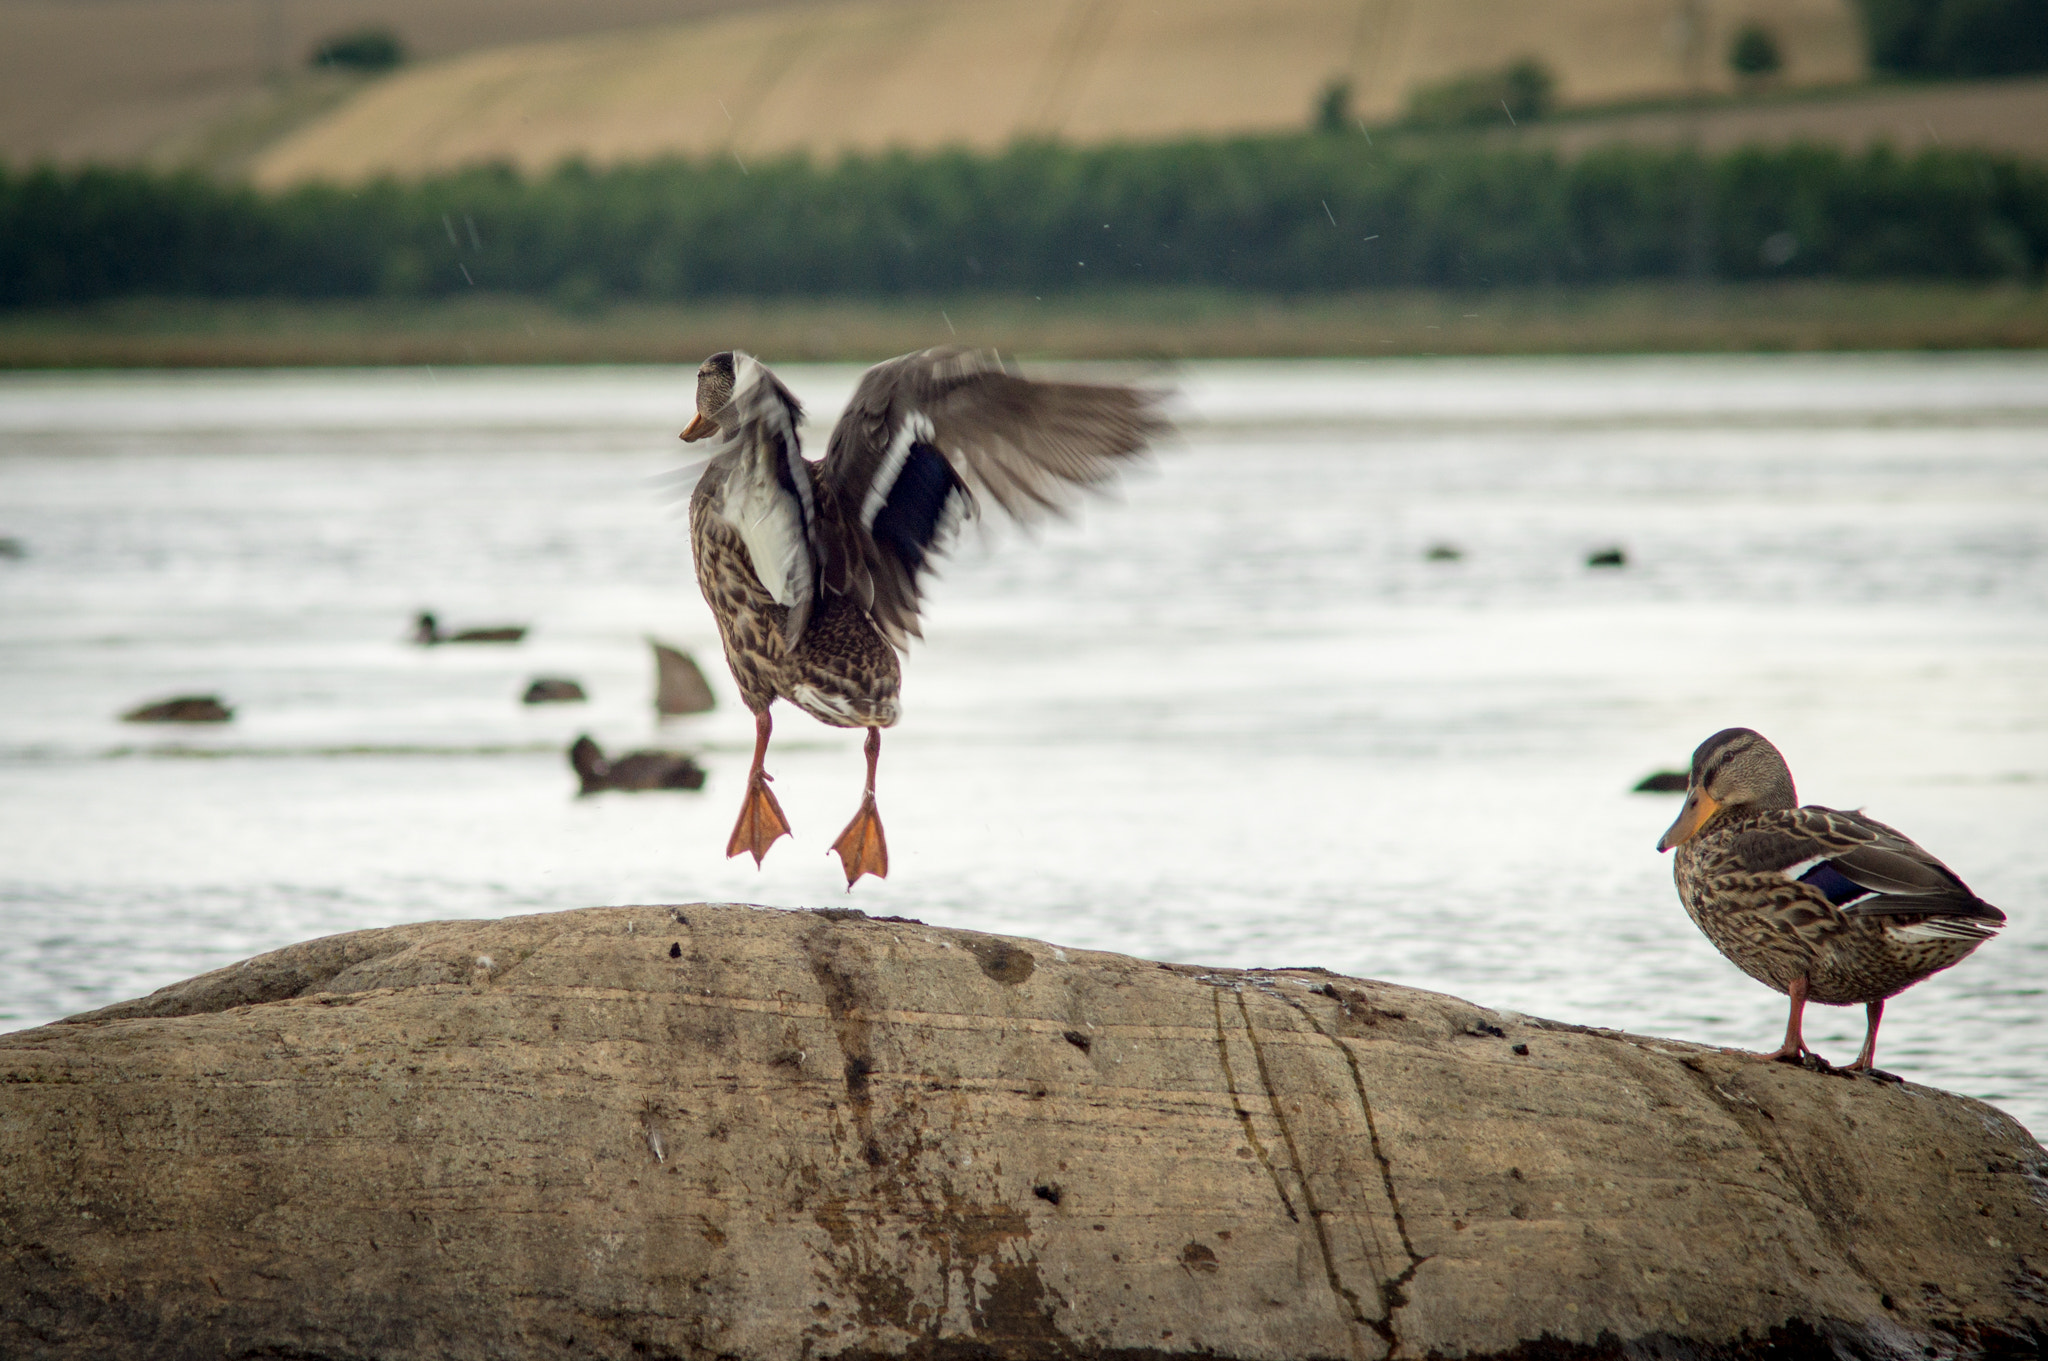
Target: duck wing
{"type": "Point", "coordinates": [760, 485]}
{"type": "Point", "coordinates": [926, 436]}
{"type": "Point", "coordinates": [1865, 869]}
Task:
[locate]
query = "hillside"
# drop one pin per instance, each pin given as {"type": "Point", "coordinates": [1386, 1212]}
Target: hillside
{"type": "Point", "coordinates": [129, 80]}
{"type": "Point", "coordinates": [923, 73]}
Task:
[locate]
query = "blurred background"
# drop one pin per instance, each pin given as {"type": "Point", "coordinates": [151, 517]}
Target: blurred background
{"type": "Point", "coordinates": [1557, 385]}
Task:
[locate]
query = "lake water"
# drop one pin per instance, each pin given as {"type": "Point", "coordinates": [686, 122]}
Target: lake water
{"type": "Point", "coordinates": [1232, 715]}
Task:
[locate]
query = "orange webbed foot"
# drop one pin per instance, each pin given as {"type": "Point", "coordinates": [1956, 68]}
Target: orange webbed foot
{"type": "Point", "coordinates": [861, 848]}
{"type": "Point", "coordinates": [761, 821]}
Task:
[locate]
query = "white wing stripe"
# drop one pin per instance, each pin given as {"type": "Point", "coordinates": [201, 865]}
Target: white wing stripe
{"type": "Point", "coordinates": [747, 375]}
{"type": "Point", "coordinates": [768, 524]}
{"type": "Point", "coordinates": [916, 426]}
{"type": "Point", "coordinates": [1937, 929]}
{"type": "Point", "coordinates": [774, 525]}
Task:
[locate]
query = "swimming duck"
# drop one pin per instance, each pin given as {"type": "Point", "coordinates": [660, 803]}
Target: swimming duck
{"type": "Point", "coordinates": [814, 570]}
{"type": "Point", "coordinates": [1822, 905]}
{"type": "Point", "coordinates": [636, 770]}
{"type": "Point", "coordinates": [426, 631]}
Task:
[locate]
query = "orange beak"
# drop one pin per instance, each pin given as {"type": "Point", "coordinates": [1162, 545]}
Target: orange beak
{"type": "Point", "coordinates": [1699, 807]}
{"type": "Point", "coordinates": [699, 427]}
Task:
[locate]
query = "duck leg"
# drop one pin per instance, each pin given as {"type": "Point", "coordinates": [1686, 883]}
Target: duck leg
{"type": "Point", "coordinates": [761, 820]}
{"type": "Point", "coordinates": [1866, 1061]}
{"type": "Point", "coordinates": [861, 847]}
{"type": "Point", "coordinates": [1794, 1047]}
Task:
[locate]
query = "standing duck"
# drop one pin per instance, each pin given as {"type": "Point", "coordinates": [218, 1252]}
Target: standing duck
{"type": "Point", "coordinates": [1823, 905]}
{"type": "Point", "coordinates": [814, 570]}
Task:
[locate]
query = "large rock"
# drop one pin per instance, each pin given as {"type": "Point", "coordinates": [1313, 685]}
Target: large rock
{"type": "Point", "coordinates": [721, 1131]}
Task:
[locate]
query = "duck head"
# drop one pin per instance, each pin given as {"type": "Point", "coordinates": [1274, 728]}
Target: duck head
{"type": "Point", "coordinates": [714, 391]}
{"type": "Point", "coordinates": [1735, 768]}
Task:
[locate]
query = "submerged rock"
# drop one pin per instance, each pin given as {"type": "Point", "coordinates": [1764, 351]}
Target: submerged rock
{"type": "Point", "coordinates": [636, 770]}
{"type": "Point", "coordinates": [182, 709]}
{"type": "Point", "coordinates": [1607, 557]}
{"type": "Point", "coordinates": [727, 1131]}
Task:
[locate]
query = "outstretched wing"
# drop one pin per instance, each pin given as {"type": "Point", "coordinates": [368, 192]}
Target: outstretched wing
{"type": "Point", "coordinates": [760, 485]}
{"type": "Point", "coordinates": [1866, 869]}
{"type": "Point", "coordinates": [927, 436]}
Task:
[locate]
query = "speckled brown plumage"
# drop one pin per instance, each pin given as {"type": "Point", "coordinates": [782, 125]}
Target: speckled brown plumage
{"type": "Point", "coordinates": [1822, 905]}
{"type": "Point", "coordinates": [839, 653]}
{"type": "Point", "coordinates": [1777, 929]}
{"type": "Point", "coordinates": [814, 571]}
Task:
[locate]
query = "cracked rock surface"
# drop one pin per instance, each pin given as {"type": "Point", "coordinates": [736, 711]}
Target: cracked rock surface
{"type": "Point", "coordinates": [723, 1131]}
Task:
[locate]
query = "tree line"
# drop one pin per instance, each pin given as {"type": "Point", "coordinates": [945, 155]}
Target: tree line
{"type": "Point", "coordinates": [1291, 214]}
{"type": "Point", "coordinates": [1956, 37]}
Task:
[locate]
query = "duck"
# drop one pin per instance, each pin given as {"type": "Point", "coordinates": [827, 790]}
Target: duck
{"type": "Point", "coordinates": [1820, 904]}
{"type": "Point", "coordinates": [426, 631]}
{"type": "Point", "coordinates": [636, 770]}
{"type": "Point", "coordinates": [815, 569]}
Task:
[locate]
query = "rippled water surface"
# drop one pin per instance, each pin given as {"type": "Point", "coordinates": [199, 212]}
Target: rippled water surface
{"type": "Point", "coordinates": [1232, 716]}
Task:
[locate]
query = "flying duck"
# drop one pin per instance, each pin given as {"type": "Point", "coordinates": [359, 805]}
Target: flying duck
{"type": "Point", "coordinates": [1822, 905]}
{"type": "Point", "coordinates": [814, 569]}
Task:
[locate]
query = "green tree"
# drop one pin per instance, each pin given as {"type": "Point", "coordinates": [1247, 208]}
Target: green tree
{"type": "Point", "coordinates": [1333, 106]}
{"type": "Point", "coordinates": [1754, 54]}
{"type": "Point", "coordinates": [1989, 37]}
{"type": "Point", "coordinates": [1957, 37]}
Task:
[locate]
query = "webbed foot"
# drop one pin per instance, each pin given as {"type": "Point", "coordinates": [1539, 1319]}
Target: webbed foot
{"type": "Point", "coordinates": [861, 848]}
{"type": "Point", "coordinates": [761, 821]}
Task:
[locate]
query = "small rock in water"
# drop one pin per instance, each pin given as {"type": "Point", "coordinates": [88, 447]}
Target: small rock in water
{"type": "Point", "coordinates": [13, 548]}
{"type": "Point", "coordinates": [1443, 552]}
{"type": "Point", "coordinates": [553, 690]}
{"type": "Point", "coordinates": [182, 709]}
{"type": "Point", "coordinates": [1661, 782]}
{"type": "Point", "coordinates": [679, 686]}
{"type": "Point", "coordinates": [1607, 557]}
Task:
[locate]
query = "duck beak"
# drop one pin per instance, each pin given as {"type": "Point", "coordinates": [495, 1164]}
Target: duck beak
{"type": "Point", "coordinates": [1699, 806]}
{"type": "Point", "coordinates": [699, 427]}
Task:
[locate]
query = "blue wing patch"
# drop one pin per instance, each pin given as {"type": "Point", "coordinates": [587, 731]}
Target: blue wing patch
{"type": "Point", "coordinates": [1837, 887]}
{"type": "Point", "coordinates": [914, 514]}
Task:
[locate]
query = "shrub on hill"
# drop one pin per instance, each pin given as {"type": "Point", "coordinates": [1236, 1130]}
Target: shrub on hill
{"type": "Point", "coordinates": [364, 49]}
{"type": "Point", "coordinates": [1332, 111]}
{"type": "Point", "coordinates": [1283, 214]}
{"type": "Point", "coordinates": [1514, 94]}
{"type": "Point", "coordinates": [1754, 54]}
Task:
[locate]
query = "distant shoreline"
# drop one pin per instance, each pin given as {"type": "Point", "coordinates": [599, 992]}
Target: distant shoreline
{"type": "Point", "coordinates": [1161, 324]}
